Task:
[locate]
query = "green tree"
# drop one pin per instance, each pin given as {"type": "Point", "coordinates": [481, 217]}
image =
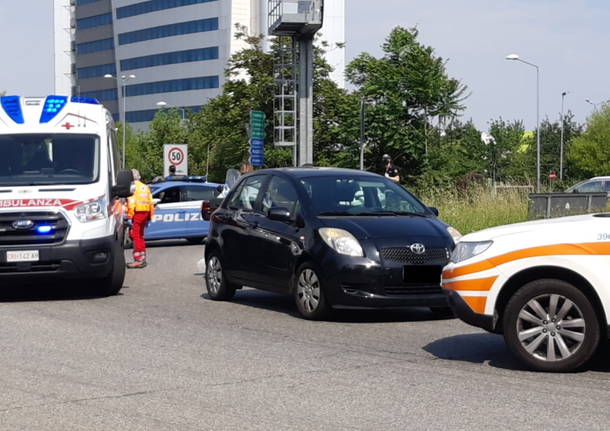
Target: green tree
{"type": "Point", "coordinates": [589, 153]}
{"type": "Point", "coordinates": [405, 90]}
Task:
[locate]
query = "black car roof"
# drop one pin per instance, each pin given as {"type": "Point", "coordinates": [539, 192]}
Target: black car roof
{"type": "Point", "coordinates": [315, 172]}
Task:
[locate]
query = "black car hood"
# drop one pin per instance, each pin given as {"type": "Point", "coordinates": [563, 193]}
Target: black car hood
{"type": "Point", "coordinates": [399, 228]}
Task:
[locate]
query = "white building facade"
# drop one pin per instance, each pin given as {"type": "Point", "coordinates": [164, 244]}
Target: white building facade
{"type": "Point", "coordinates": [177, 50]}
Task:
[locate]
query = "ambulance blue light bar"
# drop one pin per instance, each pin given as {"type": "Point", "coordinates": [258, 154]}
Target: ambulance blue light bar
{"type": "Point", "coordinates": [89, 100]}
{"type": "Point", "coordinates": [52, 106]}
{"type": "Point", "coordinates": [12, 106]}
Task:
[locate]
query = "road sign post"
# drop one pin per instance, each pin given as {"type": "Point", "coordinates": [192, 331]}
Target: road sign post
{"type": "Point", "coordinates": [257, 138]}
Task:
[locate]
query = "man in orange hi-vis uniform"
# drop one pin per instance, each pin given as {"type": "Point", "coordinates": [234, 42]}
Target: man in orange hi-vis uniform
{"type": "Point", "coordinates": [140, 209]}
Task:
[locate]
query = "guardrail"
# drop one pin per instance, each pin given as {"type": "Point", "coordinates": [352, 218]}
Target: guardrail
{"type": "Point", "coordinates": [548, 205]}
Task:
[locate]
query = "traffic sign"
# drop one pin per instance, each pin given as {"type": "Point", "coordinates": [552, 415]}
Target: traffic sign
{"type": "Point", "coordinates": [257, 160]}
{"type": "Point", "coordinates": [175, 155]}
{"type": "Point", "coordinates": [257, 124]}
{"type": "Point", "coordinates": [552, 175]}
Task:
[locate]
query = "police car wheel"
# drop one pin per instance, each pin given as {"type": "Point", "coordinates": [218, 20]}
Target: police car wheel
{"type": "Point", "coordinates": [309, 293]}
{"type": "Point", "coordinates": [550, 325]}
{"type": "Point", "coordinates": [219, 288]}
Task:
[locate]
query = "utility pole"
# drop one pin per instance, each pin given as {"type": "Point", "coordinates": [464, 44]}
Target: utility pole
{"type": "Point", "coordinates": [563, 95]}
{"type": "Point", "coordinates": [362, 143]}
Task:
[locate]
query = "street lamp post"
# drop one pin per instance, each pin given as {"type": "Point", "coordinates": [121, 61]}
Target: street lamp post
{"type": "Point", "coordinates": [563, 96]}
{"type": "Point", "coordinates": [362, 112]}
{"type": "Point", "coordinates": [516, 57]}
{"type": "Point", "coordinates": [124, 79]}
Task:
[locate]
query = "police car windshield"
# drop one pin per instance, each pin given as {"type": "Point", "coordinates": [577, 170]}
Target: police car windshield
{"type": "Point", "coordinates": [39, 159]}
{"type": "Point", "coordinates": [346, 195]}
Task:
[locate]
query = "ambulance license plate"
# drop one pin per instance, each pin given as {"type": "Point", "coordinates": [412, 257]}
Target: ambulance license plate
{"type": "Point", "coordinates": [22, 256]}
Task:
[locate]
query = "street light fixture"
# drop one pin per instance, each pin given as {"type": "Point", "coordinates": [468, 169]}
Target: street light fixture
{"type": "Point", "coordinates": [515, 57]}
{"type": "Point", "coordinates": [124, 79]}
{"type": "Point", "coordinates": [162, 104]}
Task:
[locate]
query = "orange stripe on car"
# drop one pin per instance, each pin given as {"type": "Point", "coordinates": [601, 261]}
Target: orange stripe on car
{"type": "Point", "coordinates": [591, 248]}
{"type": "Point", "coordinates": [479, 284]}
{"type": "Point", "coordinates": [476, 303]}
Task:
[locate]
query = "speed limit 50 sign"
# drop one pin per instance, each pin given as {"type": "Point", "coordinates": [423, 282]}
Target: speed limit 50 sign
{"type": "Point", "coordinates": [175, 155]}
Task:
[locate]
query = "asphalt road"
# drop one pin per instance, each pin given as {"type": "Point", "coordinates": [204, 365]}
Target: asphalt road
{"type": "Point", "coordinates": [161, 356]}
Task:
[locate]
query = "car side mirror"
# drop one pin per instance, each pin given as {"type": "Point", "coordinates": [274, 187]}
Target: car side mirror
{"type": "Point", "coordinates": [434, 211]}
{"type": "Point", "coordinates": [122, 189]}
{"type": "Point", "coordinates": [220, 188]}
{"type": "Point", "coordinates": [156, 201]}
{"type": "Point", "coordinates": [208, 207]}
{"type": "Point", "coordinates": [279, 214]}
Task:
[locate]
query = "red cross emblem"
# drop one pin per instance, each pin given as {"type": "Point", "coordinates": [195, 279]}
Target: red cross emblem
{"type": "Point", "coordinates": [68, 126]}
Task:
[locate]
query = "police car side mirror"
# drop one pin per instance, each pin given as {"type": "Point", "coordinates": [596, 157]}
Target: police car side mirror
{"type": "Point", "coordinates": [220, 188]}
{"type": "Point", "coordinates": [122, 189]}
{"type": "Point", "coordinates": [156, 201]}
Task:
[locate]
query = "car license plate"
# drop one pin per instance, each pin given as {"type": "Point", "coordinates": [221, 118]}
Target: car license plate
{"type": "Point", "coordinates": [22, 256]}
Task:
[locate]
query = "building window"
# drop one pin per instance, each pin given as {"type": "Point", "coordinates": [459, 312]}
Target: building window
{"type": "Point", "coordinates": [149, 114]}
{"type": "Point", "coordinates": [94, 21]}
{"type": "Point", "coordinates": [170, 58]}
{"type": "Point", "coordinates": [95, 71]}
{"type": "Point", "coordinates": [199, 83]}
{"type": "Point", "coordinates": [188, 27]}
{"type": "Point", "coordinates": [153, 6]}
{"type": "Point", "coordinates": [82, 2]}
{"type": "Point", "coordinates": [101, 95]}
{"type": "Point", "coordinates": [95, 46]}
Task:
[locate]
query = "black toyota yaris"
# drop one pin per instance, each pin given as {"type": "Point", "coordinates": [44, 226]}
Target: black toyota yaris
{"type": "Point", "coordinates": [332, 238]}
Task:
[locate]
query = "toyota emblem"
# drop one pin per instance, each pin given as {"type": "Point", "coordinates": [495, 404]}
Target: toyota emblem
{"type": "Point", "coordinates": [418, 248]}
{"type": "Point", "coordinates": [22, 224]}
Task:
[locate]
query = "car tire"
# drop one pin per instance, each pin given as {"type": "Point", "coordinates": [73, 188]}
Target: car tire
{"type": "Point", "coordinates": [127, 241]}
{"type": "Point", "coordinates": [552, 326]}
{"type": "Point", "coordinates": [442, 311]}
{"type": "Point", "coordinates": [217, 285]}
{"type": "Point", "coordinates": [308, 291]}
{"type": "Point", "coordinates": [197, 240]}
{"type": "Point", "coordinates": [113, 282]}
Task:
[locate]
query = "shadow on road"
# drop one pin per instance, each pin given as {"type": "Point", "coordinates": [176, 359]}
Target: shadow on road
{"type": "Point", "coordinates": [48, 291]}
{"type": "Point", "coordinates": [491, 349]}
{"type": "Point", "coordinates": [285, 304]}
{"type": "Point", "coordinates": [475, 348]}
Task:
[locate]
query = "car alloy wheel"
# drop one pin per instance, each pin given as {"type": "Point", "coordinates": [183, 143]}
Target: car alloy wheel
{"type": "Point", "coordinates": [551, 327]}
{"type": "Point", "coordinates": [214, 275]}
{"type": "Point", "coordinates": [308, 290]}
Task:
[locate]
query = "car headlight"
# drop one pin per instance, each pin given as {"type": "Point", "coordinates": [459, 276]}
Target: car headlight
{"type": "Point", "coordinates": [341, 241]}
{"type": "Point", "coordinates": [91, 211]}
{"type": "Point", "coordinates": [466, 250]}
{"type": "Point", "coordinates": [455, 234]}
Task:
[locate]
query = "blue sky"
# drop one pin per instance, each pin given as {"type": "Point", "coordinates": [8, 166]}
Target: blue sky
{"type": "Point", "coordinates": [566, 38]}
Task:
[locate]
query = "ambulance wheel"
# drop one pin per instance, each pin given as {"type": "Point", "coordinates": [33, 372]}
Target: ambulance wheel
{"type": "Point", "coordinates": [113, 282]}
{"type": "Point", "coordinates": [198, 240]}
{"type": "Point", "coordinates": [219, 288]}
{"type": "Point", "coordinates": [550, 325]}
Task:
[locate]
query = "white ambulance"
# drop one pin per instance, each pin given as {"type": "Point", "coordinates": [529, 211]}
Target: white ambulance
{"type": "Point", "coordinates": [545, 285]}
{"type": "Point", "coordinates": [60, 184]}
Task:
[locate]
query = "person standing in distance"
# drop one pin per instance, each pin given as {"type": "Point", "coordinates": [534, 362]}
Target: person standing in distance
{"type": "Point", "coordinates": [140, 209]}
{"type": "Point", "coordinates": [391, 172]}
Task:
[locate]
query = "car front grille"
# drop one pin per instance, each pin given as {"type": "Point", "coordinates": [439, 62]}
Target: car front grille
{"type": "Point", "coordinates": [413, 289]}
{"type": "Point", "coordinates": [12, 235]}
{"type": "Point", "coordinates": [405, 256]}
{"type": "Point", "coordinates": [49, 266]}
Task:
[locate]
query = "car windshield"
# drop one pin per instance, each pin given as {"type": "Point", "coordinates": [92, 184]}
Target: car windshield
{"type": "Point", "coordinates": [360, 196]}
{"type": "Point", "coordinates": [39, 159]}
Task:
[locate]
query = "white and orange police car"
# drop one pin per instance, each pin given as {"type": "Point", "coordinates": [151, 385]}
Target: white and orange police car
{"type": "Point", "coordinates": [543, 284]}
{"type": "Point", "coordinates": [60, 189]}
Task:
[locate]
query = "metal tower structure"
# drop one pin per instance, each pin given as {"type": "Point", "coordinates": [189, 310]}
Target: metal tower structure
{"type": "Point", "coordinates": [299, 20]}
